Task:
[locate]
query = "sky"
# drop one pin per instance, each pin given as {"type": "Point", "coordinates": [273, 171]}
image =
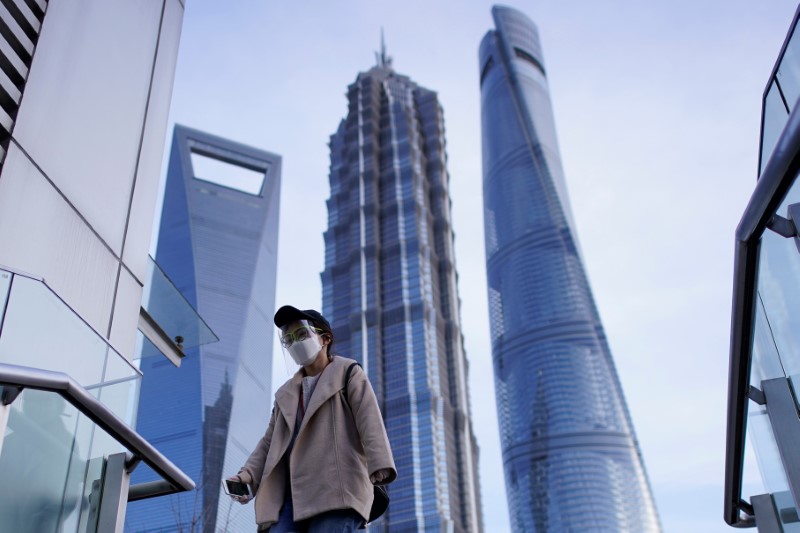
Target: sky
{"type": "Point", "coordinates": [657, 108]}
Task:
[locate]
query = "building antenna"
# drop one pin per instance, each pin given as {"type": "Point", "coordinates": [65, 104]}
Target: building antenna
{"type": "Point", "coordinates": [382, 58]}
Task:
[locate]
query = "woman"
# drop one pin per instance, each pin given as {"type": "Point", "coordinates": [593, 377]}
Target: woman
{"type": "Point", "coordinates": [325, 446]}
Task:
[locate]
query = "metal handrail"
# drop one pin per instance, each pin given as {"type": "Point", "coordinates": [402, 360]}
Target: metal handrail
{"type": "Point", "coordinates": [141, 450]}
{"type": "Point", "coordinates": [776, 180]}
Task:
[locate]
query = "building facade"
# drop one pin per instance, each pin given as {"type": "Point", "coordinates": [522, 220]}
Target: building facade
{"type": "Point", "coordinates": [100, 136]}
{"type": "Point", "coordinates": [82, 129]}
{"type": "Point", "coordinates": [765, 317]}
{"type": "Point", "coordinates": [218, 243]}
{"type": "Point", "coordinates": [570, 455]}
{"type": "Point", "coordinates": [390, 293]}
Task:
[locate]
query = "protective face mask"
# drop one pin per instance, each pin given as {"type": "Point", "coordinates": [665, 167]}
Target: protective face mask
{"type": "Point", "coordinates": [305, 351]}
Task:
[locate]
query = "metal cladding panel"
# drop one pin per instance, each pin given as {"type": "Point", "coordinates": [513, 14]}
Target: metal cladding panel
{"type": "Point", "coordinates": [148, 170]}
{"type": "Point", "coordinates": [218, 244]}
{"type": "Point", "coordinates": [389, 290]}
{"type": "Point", "coordinates": [570, 454]}
{"type": "Point", "coordinates": [42, 234]}
{"type": "Point", "coordinates": [86, 135]}
{"type": "Point", "coordinates": [84, 139]}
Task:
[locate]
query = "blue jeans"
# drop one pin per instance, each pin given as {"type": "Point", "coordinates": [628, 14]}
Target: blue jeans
{"type": "Point", "coordinates": [339, 521]}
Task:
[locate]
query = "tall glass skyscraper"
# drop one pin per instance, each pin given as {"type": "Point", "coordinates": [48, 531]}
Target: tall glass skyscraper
{"type": "Point", "coordinates": [389, 290]}
{"type": "Point", "coordinates": [571, 459]}
{"type": "Point", "coordinates": [218, 242]}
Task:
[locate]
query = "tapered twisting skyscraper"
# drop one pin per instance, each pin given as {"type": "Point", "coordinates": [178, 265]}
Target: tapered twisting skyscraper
{"type": "Point", "coordinates": [389, 290]}
{"type": "Point", "coordinates": [571, 459]}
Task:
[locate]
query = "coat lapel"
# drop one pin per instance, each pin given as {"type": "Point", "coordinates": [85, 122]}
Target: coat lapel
{"type": "Point", "coordinates": [287, 397]}
{"type": "Point", "coordinates": [330, 383]}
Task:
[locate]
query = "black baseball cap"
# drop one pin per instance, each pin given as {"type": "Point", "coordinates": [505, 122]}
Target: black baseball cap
{"type": "Point", "coordinates": [288, 314]}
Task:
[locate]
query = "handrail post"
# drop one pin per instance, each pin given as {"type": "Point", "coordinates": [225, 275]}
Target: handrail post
{"type": "Point", "coordinates": [766, 514]}
{"type": "Point", "coordinates": [114, 499]}
{"type": "Point", "coordinates": [783, 417]}
{"type": "Point", "coordinates": [4, 411]}
{"type": "Point", "coordinates": [7, 397]}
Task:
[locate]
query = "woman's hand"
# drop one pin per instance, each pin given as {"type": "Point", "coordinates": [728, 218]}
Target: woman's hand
{"type": "Point", "coordinates": [240, 498]}
{"type": "Point", "coordinates": [378, 476]}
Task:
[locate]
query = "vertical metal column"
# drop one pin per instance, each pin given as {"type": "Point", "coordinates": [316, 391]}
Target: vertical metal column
{"type": "Point", "coordinates": [4, 410]}
{"type": "Point", "coordinates": [767, 519]}
{"type": "Point", "coordinates": [114, 502]}
{"type": "Point", "coordinates": [7, 396]}
{"type": "Point", "coordinates": [783, 417]}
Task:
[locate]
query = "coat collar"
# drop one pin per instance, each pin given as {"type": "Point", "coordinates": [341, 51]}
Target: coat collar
{"type": "Point", "coordinates": [330, 382]}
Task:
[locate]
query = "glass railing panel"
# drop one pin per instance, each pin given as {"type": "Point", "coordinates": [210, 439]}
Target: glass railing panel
{"type": "Point", "coordinates": [54, 458]}
{"type": "Point", "coordinates": [775, 352]}
{"type": "Point", "coordinates": [119, 368]}
{"type": "Point", "coordinates": [789, 71]}
{"type": "Point", "coordinates": [119, 390]}
{"type": "Point", "coordinates": [775, 117]}
{"type": "Point", "coordinates": [172, 311]}
{"type": "Point", "coordinates": [42, 464]}
{"type": "Point", "coordinates": [121, 397]}
{"type": "Point", "coordinates": [752, 480]}
{"type": "Point", "coordinates": [759, 430]}
{"type": "Point", "coordinates": [779, 292]}
{"type": "Point", "coordinates": [70, 345]}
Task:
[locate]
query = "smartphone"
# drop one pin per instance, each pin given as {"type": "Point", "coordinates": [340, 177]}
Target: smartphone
{"type": "Point", "coordinates": [236, 488]}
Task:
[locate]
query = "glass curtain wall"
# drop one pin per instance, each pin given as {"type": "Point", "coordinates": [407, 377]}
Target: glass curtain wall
{"type": "Point", "coordinates": [570, 453]}
{"type": "Point", "coordinates": [389, 290]}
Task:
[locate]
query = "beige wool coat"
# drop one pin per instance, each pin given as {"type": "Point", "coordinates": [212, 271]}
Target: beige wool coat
{"type": "Point", "coordinates": [334, 455]}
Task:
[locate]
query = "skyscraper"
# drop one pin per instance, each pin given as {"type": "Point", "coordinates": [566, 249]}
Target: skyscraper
{"type": "Point", "coordinates": [218, 243]}
{"type": "Point", "coordinates": [571, 459]}
{"type": "Point", "coordinates": [389, 290]}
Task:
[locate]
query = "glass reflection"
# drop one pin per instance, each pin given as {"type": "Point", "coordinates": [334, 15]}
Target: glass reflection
{"type": "Point", "coordinates": [766, 361]}
{"type": "Point", "coordinates": [40, 453]}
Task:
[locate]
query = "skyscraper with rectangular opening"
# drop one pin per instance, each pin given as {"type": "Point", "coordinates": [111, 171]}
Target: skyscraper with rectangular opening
{"type": "Point", "coordinates": [218, 242]}
{"type": "Point", "coordinates": [389, 290]}
{"type": "Point", "coordinates": [571, 459]}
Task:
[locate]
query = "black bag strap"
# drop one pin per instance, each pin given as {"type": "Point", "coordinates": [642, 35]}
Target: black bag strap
{"type": "Point", "coordinates": [380, 495]}
{"type": "Point", "coordinates": [347, 382]}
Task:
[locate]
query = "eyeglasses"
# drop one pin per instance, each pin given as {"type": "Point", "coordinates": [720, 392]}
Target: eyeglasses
{"type": "Point", "coordinates": [298, 335]}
